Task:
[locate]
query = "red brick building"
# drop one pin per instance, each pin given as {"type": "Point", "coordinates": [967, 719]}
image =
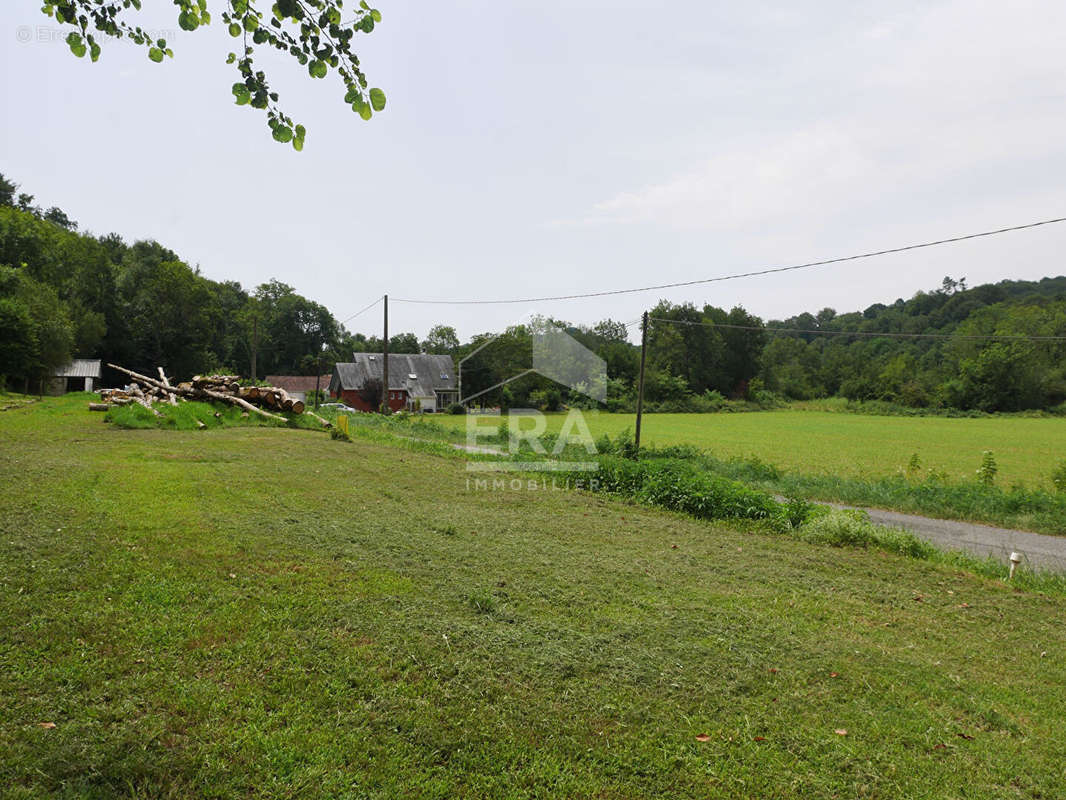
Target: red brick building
{"type": "Point", "coordinates": [419, 381]}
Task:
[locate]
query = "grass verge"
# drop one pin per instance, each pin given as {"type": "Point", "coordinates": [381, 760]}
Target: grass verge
{"type": "Point", "coordinates": [261, 612]}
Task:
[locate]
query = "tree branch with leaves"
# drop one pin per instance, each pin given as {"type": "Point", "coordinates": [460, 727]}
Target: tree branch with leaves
{"type": "Point", "coordinates": [310, 31]}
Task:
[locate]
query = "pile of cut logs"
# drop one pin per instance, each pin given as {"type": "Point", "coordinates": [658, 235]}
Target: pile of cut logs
{"type": "Point", "coordinates": [224, 388]}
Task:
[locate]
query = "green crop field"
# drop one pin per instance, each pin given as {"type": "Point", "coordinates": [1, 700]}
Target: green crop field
{"type": "Point", "coordinates": [852, 445]}
{"type": "Point", "coordinates": [267, 612]}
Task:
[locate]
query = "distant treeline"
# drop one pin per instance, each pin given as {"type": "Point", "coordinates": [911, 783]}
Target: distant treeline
{"type": "Point", "coordinates": [67, 294]}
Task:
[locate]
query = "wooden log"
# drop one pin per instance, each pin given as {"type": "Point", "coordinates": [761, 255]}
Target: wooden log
{"type": "Point", "coordinates": [228, 398]}
{"type": "Point", "coordinates": [99, 406]}
{"type": "Point", "coordinates": [194, 393]}
{"type": "Point", "coordinates": [325, 422]}
{"type": "Point", "coordinates": [146, 404]}
{"type": "Point", "coordinates": [289, 403]}
{"type": "Point", "coordinates": [298, 407]}
{"type": "Point", "coordinates": [170, 395]}
{"type": "Point", "coordinates": [250, 392]}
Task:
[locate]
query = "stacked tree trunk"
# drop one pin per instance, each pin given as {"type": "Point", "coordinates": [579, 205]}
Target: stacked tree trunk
{"type": "Point", "coordinates": [224, 388]}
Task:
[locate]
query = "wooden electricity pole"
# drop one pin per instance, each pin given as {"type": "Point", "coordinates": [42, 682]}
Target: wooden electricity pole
{"type": "Point", "coordinates": [640, 385]}
{"type": "Point", "coordinates": [318, 375]}
{"type": "Point", "coordinates": [385, 366]}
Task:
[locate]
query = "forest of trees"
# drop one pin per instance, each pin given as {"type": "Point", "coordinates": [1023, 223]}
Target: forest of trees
{"type": "Point", "coordinates": [65, 293]}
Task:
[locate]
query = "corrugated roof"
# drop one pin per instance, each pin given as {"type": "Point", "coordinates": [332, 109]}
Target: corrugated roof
{"type": "Point", "coordinates": [431, 372]}
{"type": "Point", "coordinates": [298, 383]}
{"type": "Point", "coordinates": [80, 368]}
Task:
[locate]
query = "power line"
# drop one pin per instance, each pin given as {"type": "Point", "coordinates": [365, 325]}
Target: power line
{"type": "Point", "coordinates": [751, 274]}
{"type": "Point", "coordinates": [357, 313]}
{"type": "Point", "coordinates": [872, 334]}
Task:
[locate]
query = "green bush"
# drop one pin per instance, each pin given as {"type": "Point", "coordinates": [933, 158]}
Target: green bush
{"type": "Point", "coordinates": [679, 486]}
{"type": "Point", "coordinates": [839, 528]}
{"type": "Point", "coordinates": [986, 473]}
{"type": "Point", "coordinates": [1058, 477]}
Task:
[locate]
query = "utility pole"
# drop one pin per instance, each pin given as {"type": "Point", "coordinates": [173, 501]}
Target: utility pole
{"type": "Point", "coordinates": [385, 365]}
{"type": "Point", "coordinates": [640, 385]}
{"type": "Point", "coordinates": [318, 374]}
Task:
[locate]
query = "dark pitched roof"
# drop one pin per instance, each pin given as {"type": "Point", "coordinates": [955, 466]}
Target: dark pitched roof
{"type": "Point", "coordinates": [80, 368]}
{"type": "Point", "coordinates": [298, 383]}
{"type": "Point", "coordinates": [420, 374]}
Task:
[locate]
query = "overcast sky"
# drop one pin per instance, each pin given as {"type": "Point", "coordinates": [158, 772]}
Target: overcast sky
{"type": "Point", "coordinates": [558, 147]}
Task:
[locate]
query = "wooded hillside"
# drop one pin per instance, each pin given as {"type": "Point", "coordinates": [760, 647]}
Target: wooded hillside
{"type": "Point", "coordinates": [65, 293]}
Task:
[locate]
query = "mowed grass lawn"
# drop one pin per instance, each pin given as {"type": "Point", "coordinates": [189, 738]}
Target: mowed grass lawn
{"type": "Point", "coordinates": [270, 613]}
{"type": "Point", "coordinates": [851, 445]}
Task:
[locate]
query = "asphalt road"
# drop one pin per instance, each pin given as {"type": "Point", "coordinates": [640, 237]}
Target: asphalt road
{"type": "Point", "coordinates": [1038, 550]}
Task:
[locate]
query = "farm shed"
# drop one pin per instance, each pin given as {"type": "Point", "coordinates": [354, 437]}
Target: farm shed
{"type": "Point", "coordinates": [298, 386]}
{"type": "Point", "coordinates": [80, 375]}
{"type": "Point", "coordinates": [416, 381]}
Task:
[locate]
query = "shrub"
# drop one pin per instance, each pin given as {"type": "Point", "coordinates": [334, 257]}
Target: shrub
{"type": "Point", "coordinates": [456, 409]}
{"type": "Point", "coordinates": [679, 486]}
{"type": "Point", "coordinates": [1058, 477]}
{"type": "Point", "coordinates": [839, 528]}
{"type": "Point", "coordinates": [798, 511]}
{"type": "Point", "coordinates": [986, 473]}
{"type": "Point", "coordinates": [914, 466]}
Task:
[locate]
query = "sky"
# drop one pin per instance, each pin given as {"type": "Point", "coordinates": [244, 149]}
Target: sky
{"type": "Point", "coordinates": [548, 148]}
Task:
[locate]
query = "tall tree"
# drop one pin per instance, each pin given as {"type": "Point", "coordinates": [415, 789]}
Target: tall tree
{"type": "Point", "coordinates": [441, 339]}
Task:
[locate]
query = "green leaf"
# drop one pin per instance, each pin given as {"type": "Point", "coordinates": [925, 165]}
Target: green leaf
{"type": "Point", "coordinates": [94, 51]}
{"type": "Point", "coordinates": [375, 14]}
{"type": "Point", "coordinates": [318, 69]}
{"type": "Point", "coordinates": [155, 54]}
{"type": "Point", "coordinates": [251, 22]}
{"type": "Point", "coordinates": [365, 112]}
{"type": "Point", "coordinates": [298, 143]}
{"type": "Point", "coordinates": [283, 133]}
{"type": "Point", "coordinates": [77, 47]}
{"type": "Point", "coordinates": [240, 91]}
{"type": "Point", "coordinates": [188, 21]}
{"type": "Point", "coordinates": [377, 99]}
{"type": "Point", "coordinates": [351, 96]}
{"type": "Point", "coordinates": [231, 58]}
{"type": "Point", "coordinates": [234, 29]}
